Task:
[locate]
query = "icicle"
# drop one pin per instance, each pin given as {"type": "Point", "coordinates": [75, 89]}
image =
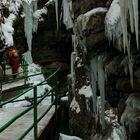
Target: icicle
{"type": "Point", "coordinates": [130, 66]}
{"type": "Point", "coordinates": [28, 23]}
{"type": "Point", "coordinates": [136, 20]}
{"type": "Point", "coordinates": [131, 7]}
{"type": "Point", "coordinates": [124, 9]}
{"type": "Point", "coordinates": [73, 57]}
{"type": "Point", "coordinates": [101, 85]}
{"type": "Point", "coordinates": [93, 77]}
{"type": "Point", "coordinates": [67, 18]}
{"type": "Point", "coordinates": [35, 21]}
{"type": "Point", "coordinates": [131, 14]}
{"type": "Point", "coordinates": [56, 11]}
{"type": "Point", "coordinates": [74, 42]}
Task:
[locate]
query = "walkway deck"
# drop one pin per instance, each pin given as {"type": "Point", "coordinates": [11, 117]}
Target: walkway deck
{"type": "Point", "coordinates": [21, 124]}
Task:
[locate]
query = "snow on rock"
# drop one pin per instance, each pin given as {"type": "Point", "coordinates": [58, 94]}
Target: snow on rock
{"type": "Point", "coordinates": [65, 98]}
{"type": "Point", "coordinates": [95, 10]}
{"type": "Point", "coordinates": [74, 106]}
{"type": "Point", "coordinates": [86, 91]}
{"type": "Point", "coordinates": [67, 137]}
{"type": "Point", "coordinates": [113, 27]}
{"type": "Point", "coordinates": [111, 116]}
{"type": "Point", "coordinates": [6, 26]}
{"type": "Point", "coordinates": [37, 14]}
{"type": "Point", "coordinates": [83, 19]}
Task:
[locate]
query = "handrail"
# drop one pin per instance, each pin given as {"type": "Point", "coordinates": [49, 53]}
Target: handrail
{"type": "Point", "coordinates": [36, 101]}
{"type": "Point", "coordinates": [19, 115]}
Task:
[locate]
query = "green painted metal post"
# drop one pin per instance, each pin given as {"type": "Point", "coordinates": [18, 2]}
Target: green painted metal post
{"type": "Point", "coordinates": [56, 97]}
{"type": "Point", "coordinates": [35, 113]}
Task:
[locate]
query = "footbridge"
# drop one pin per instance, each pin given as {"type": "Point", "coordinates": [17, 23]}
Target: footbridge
{"type": "Point", "coordinates": [28, 122]}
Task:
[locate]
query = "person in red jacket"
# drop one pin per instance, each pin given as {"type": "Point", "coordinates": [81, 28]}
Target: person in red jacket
{"type": "Point", "coordinates": [14, 61]}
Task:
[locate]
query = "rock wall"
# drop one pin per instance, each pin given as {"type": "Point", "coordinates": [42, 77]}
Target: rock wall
{"type": "Point", "coordinates": [121, 78]}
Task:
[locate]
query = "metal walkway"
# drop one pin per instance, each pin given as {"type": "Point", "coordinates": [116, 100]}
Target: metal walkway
{"type": "Point", "coordinates": [28, 122]}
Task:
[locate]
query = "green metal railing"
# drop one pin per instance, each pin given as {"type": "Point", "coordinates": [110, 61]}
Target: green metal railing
{"type": "Point", "coordinates": [52, 79]}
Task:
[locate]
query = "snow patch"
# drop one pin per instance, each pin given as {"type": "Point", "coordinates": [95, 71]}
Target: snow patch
{"type": "Point", "coordinates": [74, 106]}
{"type": "Point", "coordinates": [67, 137]}
{"type": "Point", "coordinates": [113, 29]}
{"type": "Point", "coordinates": [86, 91]}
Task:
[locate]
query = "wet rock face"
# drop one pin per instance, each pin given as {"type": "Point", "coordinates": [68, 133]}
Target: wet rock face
{"type": "Point", "coordinates": [93, 42]}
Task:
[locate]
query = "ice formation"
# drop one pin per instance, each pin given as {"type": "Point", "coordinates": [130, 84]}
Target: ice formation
{"type": "Point", "coordinates": [129, 7]}
{"type": "Point", "coordinates": [97, 75]}
{"type": "Point", "coordinates": [73, 57]}
{"type": "Point", "coordinates": [93, 77]}
{"type": "Point", "coordinates": [113, 29]}
{"type": "Point", "coordinates": [29, 25]}
{"type": "Point", "coordinates": [74, 42]}
{"type": "Point", "coordinates": [67, 18]}
{"type": "Point", "coordinates": [128, 65]}
{"type": "Point", "coordinates": [101, 86]}
{"type": "Point", "coordinates": [56, 11]}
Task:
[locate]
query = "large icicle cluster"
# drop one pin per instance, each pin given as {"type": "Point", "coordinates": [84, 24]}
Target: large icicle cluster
{"type": "Point", "coordinates": [29, 7]}
{"type": "Point", "coordinates": [6, 24]}
{"type": "Point", "coordinates": [98, 80]}
{"type": "Point", "coordinates": [116, 21]}
{"type": "Point", "coordinates": [113, 28]}
{"type": "Point", "coordinates": [129, 7]}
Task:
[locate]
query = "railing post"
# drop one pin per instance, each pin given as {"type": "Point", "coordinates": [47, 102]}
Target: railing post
{"type": "Point", "coordinates": [56, 96]}
{"type": "Point", "coordinates": [52, 96]}
{"type": "Point", "coordinates": [35, 113]}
